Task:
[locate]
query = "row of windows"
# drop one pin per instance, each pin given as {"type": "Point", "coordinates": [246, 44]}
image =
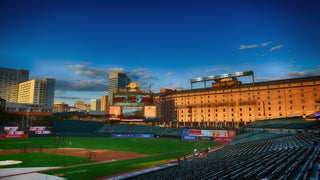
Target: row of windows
{"type": "Point", "coordinates": [249, 93]}
{"type": "Point", "coordinates": [249, 109]}
{"type": "Point", "coordinates": [233, 115]}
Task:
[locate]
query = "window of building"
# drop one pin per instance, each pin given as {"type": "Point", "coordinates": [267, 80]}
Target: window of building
{"type": "Point", "coordinates": [240, 114]}
{"type": "Point", "coordinates": [269, 108]}
{"type": "Point", "coordinates": [240, 109]}
{"type": "Point", "coordinates": [303, 107]}
{"type": "Point", "coordinates": [290, 101]}
{"type": "Point", "coordinates": [302, 95]}
{"type": "Point", "coordinates": [290, 107]}
{"type": "Point", "coordinates": [259, 109]}
{"type": "Point", "coordinates": [269, 103]}
{"type": "Point", "coordinates": [279, 107]}
{"type": "Point", "coordinates": [302, 101]}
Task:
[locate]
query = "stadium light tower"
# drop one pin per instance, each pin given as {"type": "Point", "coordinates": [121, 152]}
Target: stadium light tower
{"type": "Point", "coordinates": [221, 77]}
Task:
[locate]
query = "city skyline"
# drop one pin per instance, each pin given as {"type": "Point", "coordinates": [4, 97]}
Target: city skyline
{"type": "Point", "coordinates": [159, 44]}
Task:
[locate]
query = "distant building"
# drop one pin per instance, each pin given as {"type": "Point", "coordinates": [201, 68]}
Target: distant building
{"type": "Point", "coordinates": [117, 81]}
{"type": "Point", "coordinates": [95, 104]}
{"type": "Point", "coordinates": [37, 92]}
{"type": "Point", "coordinates": [9, 83]}
{"type": "Point", "coordinates": [80, 105]}
{"type": "Point", "coordinates": [61, 107]}
{"type": "Point", "coordinates": [104, 103]}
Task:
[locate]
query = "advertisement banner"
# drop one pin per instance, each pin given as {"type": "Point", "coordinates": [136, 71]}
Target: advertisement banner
{"type": "Point", "coordinates": [210, 133]}
{"type": "Point", "coordinates": [131, 112]}
{"type": "Point", "coordinates": [220, 133]}
{"type": "Point", "coordinates": [135, 99]}
{"type": "Point", "coordinates": [37, 128]}
{"type": "Point", "coordinates": [222, 139]}
{"type": "Point", "coordinates": [43, 132]}
{"type": "Point", "coordinates": [11, 128]}
{"type": "Point", "coordinates": [183, 137]}
{"type": "Point", "coordinates": [150, 112]}
{"type": "Point", "coordinates": [18, 132]}
{"type": "Point", "coordinates": [14, 136]}
{"type": "Point", "coordinates": [132, 135]}
{"type": "Point", "coordinates": [114, 112]}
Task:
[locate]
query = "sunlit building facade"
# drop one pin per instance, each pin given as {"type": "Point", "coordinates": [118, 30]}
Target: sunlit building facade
{"type": "Point", "coordinates": [95, 104]}
{"type": "Point", "coordinates": [37, 92]}
{"type": "Point", "coordinates": [229, 106]}
{"type": "Point", "coordinates": [104, 103]}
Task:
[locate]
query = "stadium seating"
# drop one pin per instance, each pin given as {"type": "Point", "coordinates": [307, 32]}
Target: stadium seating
{"type": "Point", "coordinates": [284, 157]}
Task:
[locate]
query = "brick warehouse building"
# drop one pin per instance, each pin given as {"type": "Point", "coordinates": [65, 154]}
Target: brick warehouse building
{"type": "Point", "coordinates": [231, 106]}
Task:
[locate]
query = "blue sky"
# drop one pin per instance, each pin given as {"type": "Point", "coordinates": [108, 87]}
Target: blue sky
{"type": "Point", "coordinates": [159, 43]}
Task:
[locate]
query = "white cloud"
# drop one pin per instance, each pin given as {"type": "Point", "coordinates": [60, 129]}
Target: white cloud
{"type": "Point", "coordinates": [265, 43]}
{"type": "Point", "coordinates": [251, 46]}
{"type": "Point", "coordinates": [296, 74]}
{"type": "Point", "coordinates": [276, 48]}
{"type": "Point", "coordinates": [114, 70]}
{"type": "Point", "coordinates": [169, 73]}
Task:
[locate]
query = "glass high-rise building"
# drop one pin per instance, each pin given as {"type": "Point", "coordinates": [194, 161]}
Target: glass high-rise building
{"type": "Point", "coordinates": [117, 81]}
{"type": "Point", "coordinates": [9, 83]}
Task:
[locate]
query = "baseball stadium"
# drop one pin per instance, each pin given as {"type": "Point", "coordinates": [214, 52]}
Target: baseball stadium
{"type": "Point", "coordinates": [234, 129]}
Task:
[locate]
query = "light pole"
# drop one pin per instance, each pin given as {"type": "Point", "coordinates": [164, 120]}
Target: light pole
{"type": "Point", "coordinates": [28, 115]}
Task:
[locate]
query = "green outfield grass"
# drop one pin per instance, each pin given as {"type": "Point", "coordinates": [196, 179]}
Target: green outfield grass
{"type": "Point", "coordinates": [159, 151]}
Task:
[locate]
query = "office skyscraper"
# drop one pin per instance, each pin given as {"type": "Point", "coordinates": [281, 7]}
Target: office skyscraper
{"type": "Point", "coordinates": [104, 103]}
{"type": "Point", "coordinates": [95, 104]}
{"type": "Point", "coordinates": [117, 81]}
{"type": "Point", "coordinates": [9, 83]}
{"type": "Point", "coordinates": [37, 92]}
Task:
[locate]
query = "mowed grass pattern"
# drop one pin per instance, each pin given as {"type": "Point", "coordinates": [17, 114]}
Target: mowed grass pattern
{"type": "Point", "coordinates": [159, 151]}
